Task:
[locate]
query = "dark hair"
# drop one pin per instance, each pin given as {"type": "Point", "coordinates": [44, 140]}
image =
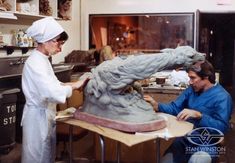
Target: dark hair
{"type": "Point", "coordinates": [63, 36]}
{"type": "Point", "coordinates": [203, 69]}
{"type": "Point", "coordinates": [63, 1]}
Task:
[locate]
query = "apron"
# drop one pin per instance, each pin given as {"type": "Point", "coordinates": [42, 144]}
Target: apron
{"type": "Point", "coordinates": [39, 134]}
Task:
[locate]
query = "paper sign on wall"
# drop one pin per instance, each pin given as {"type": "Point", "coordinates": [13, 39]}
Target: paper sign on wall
{"type": "Point", "coordinates": [223, 2]}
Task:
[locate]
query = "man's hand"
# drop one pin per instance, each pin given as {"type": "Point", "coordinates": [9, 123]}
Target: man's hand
{"type": "Point", "coordinates": [188, 113]}
{"type": "Point", "coordinates": [154, 103]}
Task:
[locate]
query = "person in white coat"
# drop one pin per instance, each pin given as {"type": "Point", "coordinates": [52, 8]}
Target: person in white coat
{"type": "Point", "coordinates": [42, 92]}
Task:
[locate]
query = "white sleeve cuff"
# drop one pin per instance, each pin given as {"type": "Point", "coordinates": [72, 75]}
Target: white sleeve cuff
{"type": "Point", "coordinates": [69, 91]}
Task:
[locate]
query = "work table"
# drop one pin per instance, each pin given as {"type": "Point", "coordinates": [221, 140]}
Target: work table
{"type": "Point", "coordinates": [163, 93]}
{"type": "Point", "coordinates": [163, 89]}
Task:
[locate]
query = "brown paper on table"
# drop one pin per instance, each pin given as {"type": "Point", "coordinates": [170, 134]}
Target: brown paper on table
{"type": "Point", "coordinates": [174, 128]}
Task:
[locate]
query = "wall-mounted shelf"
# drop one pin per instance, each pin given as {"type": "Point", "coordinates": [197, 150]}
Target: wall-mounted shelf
{"type": "Point", "coordinates": [7, 15]}
{"type": "Point", "coordinates": [11, 49]}
{"type": "Point", "coordinates": [33, 9]}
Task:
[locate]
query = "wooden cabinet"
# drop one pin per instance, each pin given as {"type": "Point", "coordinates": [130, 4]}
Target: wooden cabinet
{"type": "Point", "coordinates": [15, 17]}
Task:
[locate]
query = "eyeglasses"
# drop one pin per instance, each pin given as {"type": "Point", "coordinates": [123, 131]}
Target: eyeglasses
{"type": "Point", "coordinates": [59, 42]}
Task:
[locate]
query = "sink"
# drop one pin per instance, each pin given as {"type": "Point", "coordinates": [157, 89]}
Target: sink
{"type": "Point", "coordinates": [10, 67]}
{"type": "Point", "coordinates": [62, 67]}
{"type": "Point", "coordinates": [63, 71]}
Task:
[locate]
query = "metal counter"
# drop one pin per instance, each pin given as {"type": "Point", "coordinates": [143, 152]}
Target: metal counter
{"type": "Point", "coordinates": [164, 93]}
{"type": "Point", "coordinates": [163, 89]}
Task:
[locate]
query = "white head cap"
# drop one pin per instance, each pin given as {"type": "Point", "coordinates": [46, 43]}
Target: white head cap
{"type": "Point", "coordinates": [44, 29]}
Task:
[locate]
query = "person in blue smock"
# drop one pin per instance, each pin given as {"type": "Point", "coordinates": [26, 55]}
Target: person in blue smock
{"type": "Point", "coordinates": [204, 103]}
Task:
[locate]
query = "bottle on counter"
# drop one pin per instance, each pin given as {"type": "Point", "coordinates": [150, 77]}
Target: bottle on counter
{"type": "Point", "coordinates": [20, 36]}
{"type": "Point", "coordinates": [25, 40]}
{"type": "Point", "coordinates": [14, 38]}
{"type": "Point", "coordinates": [30, 41]}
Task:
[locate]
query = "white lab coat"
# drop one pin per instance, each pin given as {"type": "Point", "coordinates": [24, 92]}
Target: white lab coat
{"type": "Point", "coordinates": [42, 91]}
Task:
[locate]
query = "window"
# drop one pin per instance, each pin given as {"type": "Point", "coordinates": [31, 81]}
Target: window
{"type": "Point", "coordinates": [141, 32]}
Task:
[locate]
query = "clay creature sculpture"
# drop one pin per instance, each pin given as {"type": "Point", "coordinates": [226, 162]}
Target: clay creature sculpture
{"type": "Point", "coordinates": [106, 100]}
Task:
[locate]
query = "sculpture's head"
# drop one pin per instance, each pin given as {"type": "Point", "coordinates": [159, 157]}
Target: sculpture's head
{"type": "Point", "coordinates": [187, 53]}
{"type": "Point", "coordinates": [192, 53]}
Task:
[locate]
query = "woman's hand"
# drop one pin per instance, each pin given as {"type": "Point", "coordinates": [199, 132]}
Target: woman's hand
{"type": "Point", "coordinates": [188, 113]}
{"type": "Point", "coordinates": [80, 84]}
{"type": "Point", "coordinates": [154, 103]}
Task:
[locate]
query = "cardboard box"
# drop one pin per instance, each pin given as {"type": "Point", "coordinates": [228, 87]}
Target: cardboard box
{"type": "Point", "coordinates": [76, 99]}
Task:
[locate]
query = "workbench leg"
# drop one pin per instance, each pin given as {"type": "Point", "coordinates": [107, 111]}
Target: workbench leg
{"type": "Point", "coordinates": [70, 143]}
{"type": "Point", "coordinates": [158, 151]}
{"type": "Point", "coordinates": [118, 147]}
{"type": "Point", "coordinates": [102, 145]}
